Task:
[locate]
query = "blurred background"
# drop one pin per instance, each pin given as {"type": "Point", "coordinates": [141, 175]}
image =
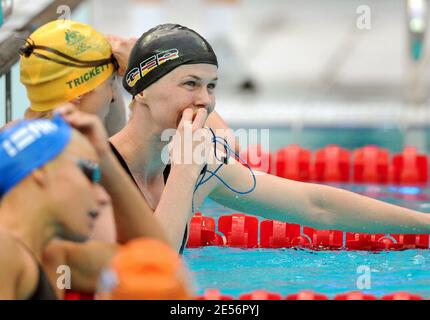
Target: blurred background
{"type": "Point", "coordinates": [314, 72]}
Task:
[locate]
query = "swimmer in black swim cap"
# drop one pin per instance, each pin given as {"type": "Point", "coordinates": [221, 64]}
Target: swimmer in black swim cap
{"type": "Point", "coordinates": [156, 56]}
{"type": "Point", "coordinates": [162, 49]}
{"type": "Point", "coordinates": [172, 74]}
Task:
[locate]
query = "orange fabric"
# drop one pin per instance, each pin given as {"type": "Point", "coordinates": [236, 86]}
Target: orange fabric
{"type": "Point", "coordinates": [147, 269]}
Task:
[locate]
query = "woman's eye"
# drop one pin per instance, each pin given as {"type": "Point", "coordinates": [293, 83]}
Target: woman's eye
{"type": "Point", "coordinates": [190, 83]}
{"type": "Point", "coordinates": [211, 86]}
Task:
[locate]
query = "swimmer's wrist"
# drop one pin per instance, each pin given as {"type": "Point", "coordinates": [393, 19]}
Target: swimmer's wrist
{"type": "Point", "coordinates": [188, 171]}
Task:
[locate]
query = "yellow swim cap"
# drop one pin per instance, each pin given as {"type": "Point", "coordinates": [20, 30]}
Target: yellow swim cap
{"type": "Point", "coordinates": [63, 60]}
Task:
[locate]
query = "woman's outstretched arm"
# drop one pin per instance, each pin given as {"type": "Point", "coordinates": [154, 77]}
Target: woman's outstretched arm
{"type": "Point", "coordinates": [315, 205]}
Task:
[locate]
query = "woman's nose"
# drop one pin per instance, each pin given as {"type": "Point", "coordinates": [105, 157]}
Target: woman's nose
{"type": "Point", "coordinates": [204, 98]}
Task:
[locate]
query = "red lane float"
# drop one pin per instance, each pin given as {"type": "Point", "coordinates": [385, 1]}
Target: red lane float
{"type": "Point", "coordinates": [355, 295]}
{"type": "Point", "coordinates": [214, 294]}
{"type": "Point", "coordinates": [370, 242]}
{"type": "Point", "coordinates": [276, 234]}
{"type": "Point", "coordinates": [306, 295]}
{"type": "Point", "coordinates": [273, 234]}
{"type": "Point", "coordinates": [202, 232]}
{"type": "Point", "coordinates": [75, 295]}
{"type": "Point", "coordinates": [371, 165]}
{"type": "Point", "coordinates": [294, 163]}
{"type": "Point", "coordinates": [260, 295]}
{"type": "Point", "coordinates": [304, 239]}
{"type": "Point", "coordinates": [239, 230]}
{"type": "Point", "coordinates": [257, 158]}
{"type": "Point", "coordinates": [332, 164]}
{"type": "Point", "coordinates": [412, 241]}
{"type": "Point", "coordinates": [402, 296]}
{"type": "Point", "coordinates": [325, 239]}
{"type": "Point", "coordinates": [410, 168]}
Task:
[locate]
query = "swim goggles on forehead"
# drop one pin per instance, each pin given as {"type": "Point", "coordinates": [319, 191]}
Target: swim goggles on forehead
{"type": "Point", "coordinates": [90, 169]}
{"type": "Point", "coordinates": [28, 49]}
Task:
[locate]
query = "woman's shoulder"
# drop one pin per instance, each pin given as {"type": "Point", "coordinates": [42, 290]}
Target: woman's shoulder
{"type": "Point", "coordinates": [13, 260]}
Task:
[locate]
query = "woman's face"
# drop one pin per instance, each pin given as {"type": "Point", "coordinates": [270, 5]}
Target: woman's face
{"type": "Point", "coordinates": [76, 200]}
{"type": "Point", "coordinates": [187, 86]}
{"type": "Point", "coordinates": [97, 101]}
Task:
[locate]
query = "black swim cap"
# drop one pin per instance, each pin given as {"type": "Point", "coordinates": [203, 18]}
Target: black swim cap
{"type": "Point", "coordinates": [162, 49]}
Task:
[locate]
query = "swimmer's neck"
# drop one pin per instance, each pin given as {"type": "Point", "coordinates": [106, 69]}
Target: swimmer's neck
{"type": "Point", "coordinates": [142, 154]}
{"type": "Point", "coordinates": [26, 221]}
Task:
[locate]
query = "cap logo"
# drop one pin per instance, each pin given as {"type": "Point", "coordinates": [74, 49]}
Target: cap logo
{"type": "Point", "coordinates": [26, 135]}
{"type": "Point", "coordinates": [77, 40]}
{"type": "Point", "coordinates": [146, 66]}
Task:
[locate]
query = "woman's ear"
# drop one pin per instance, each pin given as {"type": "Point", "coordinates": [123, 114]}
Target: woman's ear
{"type": "Point", "coordinates": [77, 101]}
{"type": "Point", "coordinates": [40, 176]}
{"type": "Point", "coordinates": [140, 97]}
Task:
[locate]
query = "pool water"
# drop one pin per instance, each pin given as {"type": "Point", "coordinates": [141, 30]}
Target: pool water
{"type": "Point", "coordinates": [236, 271]}
{"type": "Point", "coordinates": [286, 271]}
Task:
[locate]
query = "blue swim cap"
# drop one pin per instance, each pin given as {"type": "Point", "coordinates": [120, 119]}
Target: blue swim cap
{"type": "Point", "coordinates": [28, 145]}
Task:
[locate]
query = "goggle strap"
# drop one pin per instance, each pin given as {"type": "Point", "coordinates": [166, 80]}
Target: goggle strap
{"type": "Point", "coordinates": [29, 48]}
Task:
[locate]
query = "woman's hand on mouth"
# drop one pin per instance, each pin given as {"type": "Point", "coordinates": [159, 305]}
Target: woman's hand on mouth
{"type": "Point", "coordinates": [190, 140]}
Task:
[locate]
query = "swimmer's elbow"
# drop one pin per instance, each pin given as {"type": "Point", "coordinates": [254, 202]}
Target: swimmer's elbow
{"type": "Point", "coordinates": [320, 216]}
{"type": "Point", "coordinates": [321, 219]}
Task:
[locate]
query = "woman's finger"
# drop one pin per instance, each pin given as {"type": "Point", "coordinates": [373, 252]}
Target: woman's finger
{"type": "Point", "coordinates": [187, 116]}
{"type": "Point", "coordinates": [65, 109]}
{"type": "Point", "coordinates": [80, 120]}
{"type": "Point", "coordinates": [200, 119]}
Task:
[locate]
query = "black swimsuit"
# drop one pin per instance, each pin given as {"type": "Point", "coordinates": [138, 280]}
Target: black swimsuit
{"type": "Point", "coordinates": [165, 174]}
{"type": "Point", "coordinates": [44, 289]}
